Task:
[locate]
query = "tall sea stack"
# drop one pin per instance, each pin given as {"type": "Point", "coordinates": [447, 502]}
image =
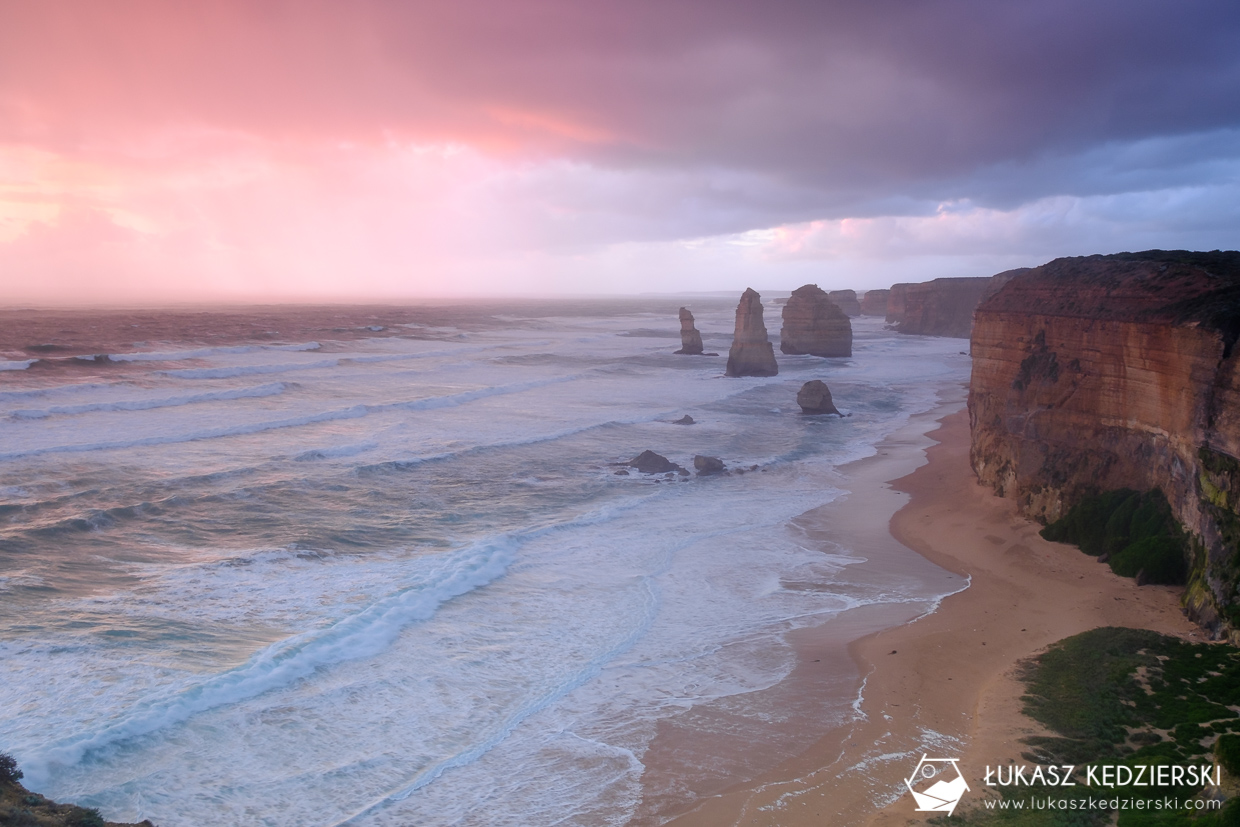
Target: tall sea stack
{"type": "Point", "coordinates": [690, 338]}
{"type": "Point", "coordinates": [815, 325]}
{"type": "Point", "coordinates": [752, 354]}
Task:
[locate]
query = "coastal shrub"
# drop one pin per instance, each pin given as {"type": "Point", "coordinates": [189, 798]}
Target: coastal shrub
{"type": "Point", "coordinates": [1135, 530]}
{"type": "Point", "coordinates": [9, 773]}
{"type": "Point", "coordinates": [83, 817]}
{"type": "Point", "coordinates": [1227, 750]}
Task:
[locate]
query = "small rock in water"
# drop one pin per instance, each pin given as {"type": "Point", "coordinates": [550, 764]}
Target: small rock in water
{"type": "Point", "coordinates": [684, 420]}
{"type": "Point", "coordinates": [815, 398]}
{"type": "Point", "coordinates": [706, 466]}
{"type": "Point", "coordinates": [622, 473]}
{"type": "Point", "coordinates": [648, 462]}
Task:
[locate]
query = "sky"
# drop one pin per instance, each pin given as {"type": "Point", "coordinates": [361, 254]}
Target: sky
{"type": "Point", "coordinates": [158, 151]}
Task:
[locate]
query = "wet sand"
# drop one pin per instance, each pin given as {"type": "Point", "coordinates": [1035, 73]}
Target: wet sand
{"type": "Point", "coordinates": [943, 683]}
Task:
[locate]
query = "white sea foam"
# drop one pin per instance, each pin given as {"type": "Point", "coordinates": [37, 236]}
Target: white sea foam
{"type": "Point", "coordinates": [17, 365]}
{"type": "Point", "coordinates": [270, 389]}
{"type": "Point", "coordinates": [206, 352]}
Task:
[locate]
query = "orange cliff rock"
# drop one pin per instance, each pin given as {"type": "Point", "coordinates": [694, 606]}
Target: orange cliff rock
{"type": "Point", "coordinates": [1106, 372]}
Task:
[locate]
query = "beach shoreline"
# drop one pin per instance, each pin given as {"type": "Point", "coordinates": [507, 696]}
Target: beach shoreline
{"type": "Point", "coordinates": [944, 681]}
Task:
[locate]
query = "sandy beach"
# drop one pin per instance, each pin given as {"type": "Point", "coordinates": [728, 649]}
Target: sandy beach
{"type": "Point", "coordinates": [943, 683]}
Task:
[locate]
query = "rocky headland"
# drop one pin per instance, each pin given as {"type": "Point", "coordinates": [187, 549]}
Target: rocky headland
{"type": "Point", "coordinates": [846, 300]}
{"type": "Point", "coordinates": [814, 324]}
{"type": "Point", "coordinates": [690, 338]}
{"type": "Point", "coordinates": [942, 307]}
{"type": "Point", "coordinates": [752, 354]}
{"type": "Point", "coordinates": [874, 302]}
{"type": "Point", "coordinates": [896, 296]}
{"type": "Point", "coordinates": [1103, 373]}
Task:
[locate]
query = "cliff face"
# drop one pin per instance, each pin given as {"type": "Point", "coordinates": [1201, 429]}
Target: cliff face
{"type": "Point", "coordinates": [814, 324]}
{"type": "Point", "coordinates": [874, 303]}
{"type": "Point", "coordinates": [751, 354]}
{"type": "Point", "coordinates": [690, 338]}
{"type": "Point", "coordinates": [943, 307]}
{"type": "Point", "coordinates": [1107, 372]}
{"type": "Point", "coordinates": [846, 300]}
{"type": "Point", "coordinates": [895, 302]}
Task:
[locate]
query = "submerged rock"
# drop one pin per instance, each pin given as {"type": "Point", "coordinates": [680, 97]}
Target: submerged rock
{"type": "Point", "coordinates": [813, 324]}
{"type": "Point", "coordinates": [752, 353]}
{"type": "Point", "coordinates": [815, 398]}
{"type": "Point", "coordinates": [648, 462]}
{"type": "Point", "coordinates": [690, 338]}
{"type": "Point", "coordinates": [706, 466]}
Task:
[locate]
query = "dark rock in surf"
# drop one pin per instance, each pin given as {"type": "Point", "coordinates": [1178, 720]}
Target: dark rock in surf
{"type": "Point", "coordinates": [706, 466]}
{"type": "Point", "coordinates": [815, 398]}
{"type": "Point", "coordinates": [684, 420]}
{"type": "Point", "coordinates": [648, 462]}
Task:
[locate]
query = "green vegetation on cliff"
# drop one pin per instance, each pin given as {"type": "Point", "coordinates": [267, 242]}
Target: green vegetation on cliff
{"type": "Point", "coordinates": [21, 808]}
{"type": "Point", "coordinates": [1135, 533]}
{"type": "Point", "coordinates": [1125, 697]}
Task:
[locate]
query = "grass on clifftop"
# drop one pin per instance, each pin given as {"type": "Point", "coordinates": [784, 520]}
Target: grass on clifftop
{"type": "Point", "coordinates": [21, 808]}
{"type": "Point", "coordinates": [1134, 532]}
{"type": "Point", "coordinates": [1125, 696]}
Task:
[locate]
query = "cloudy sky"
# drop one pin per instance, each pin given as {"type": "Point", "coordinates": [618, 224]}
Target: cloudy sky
{"type": "Point", "coordinates": [156, 150]}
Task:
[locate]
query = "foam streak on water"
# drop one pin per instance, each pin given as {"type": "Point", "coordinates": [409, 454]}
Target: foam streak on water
{"type": "Point", "coordinates": [396, 579]}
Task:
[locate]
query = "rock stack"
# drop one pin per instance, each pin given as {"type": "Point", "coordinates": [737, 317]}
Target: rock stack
{"type": "Point", "coordinates": [815, 398]}
{"type": "Point", "coordinates": [814, 324]}
{"type": "Point", "coordinates": [846, 300]}
{"type": "Point", "coordinates": [752, 354]}
{"type": "Point", "coordinates": [874, 303]}
{"type": "Point", "coordinates": [690, 338]}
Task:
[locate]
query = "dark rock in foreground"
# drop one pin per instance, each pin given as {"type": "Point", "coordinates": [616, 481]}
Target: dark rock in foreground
{"type": "Point", "coordinates": [813, 324]}
{"type": "Point", "coordinates": [690, 338]}
{"type": "Point", "coordinates": [706, 466]}
{"type": "Point", "coordinates": [815, 398]}
{"type": "Point", "coordinates": [648, 462]}
{"type": "Point", "coordinates": [752, 353]}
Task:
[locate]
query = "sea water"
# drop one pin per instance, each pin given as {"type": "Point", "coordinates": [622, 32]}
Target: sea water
{"type": "Point", "coordinates": [392, 574]}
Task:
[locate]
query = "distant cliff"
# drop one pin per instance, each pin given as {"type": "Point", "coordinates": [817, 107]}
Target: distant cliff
{"type": "Point", "coordinates": [874, 303]}
{"type": "Point", "coordinates": [1108, 372]}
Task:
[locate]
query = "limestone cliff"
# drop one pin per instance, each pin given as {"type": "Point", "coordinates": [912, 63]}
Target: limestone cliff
{"type": "Point", "coordinates": [1107, 372]}
{"type": "Point", "coordinates": [814, 324]}
{"type": "Point", "coordinates": [874, 303]}
{"type": "Point", "coordinates": [846, 300]}
{"type": "Point", "coordinates": [752, 353]}
{"type": "Point", "coordinates": [895, 302]}
{"type": "Point", "coordinates": [944, 307]}
{"type": "Point", "coordinates": [690, 338]}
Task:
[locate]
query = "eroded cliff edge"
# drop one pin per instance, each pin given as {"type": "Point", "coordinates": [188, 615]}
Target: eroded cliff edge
{"type": "Point", "coordinates": [1106, 372]}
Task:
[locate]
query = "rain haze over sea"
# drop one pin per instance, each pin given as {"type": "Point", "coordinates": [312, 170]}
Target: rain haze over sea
{"type": "Point", "coordinates": [309, 566]}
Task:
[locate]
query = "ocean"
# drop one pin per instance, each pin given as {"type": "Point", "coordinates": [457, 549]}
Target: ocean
{"type": "Point", "coordinates": [378, 566]}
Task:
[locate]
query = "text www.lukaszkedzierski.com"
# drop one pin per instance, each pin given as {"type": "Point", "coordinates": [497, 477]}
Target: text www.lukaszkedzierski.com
{"type": "Point", "coordinates": [1166, 803]}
